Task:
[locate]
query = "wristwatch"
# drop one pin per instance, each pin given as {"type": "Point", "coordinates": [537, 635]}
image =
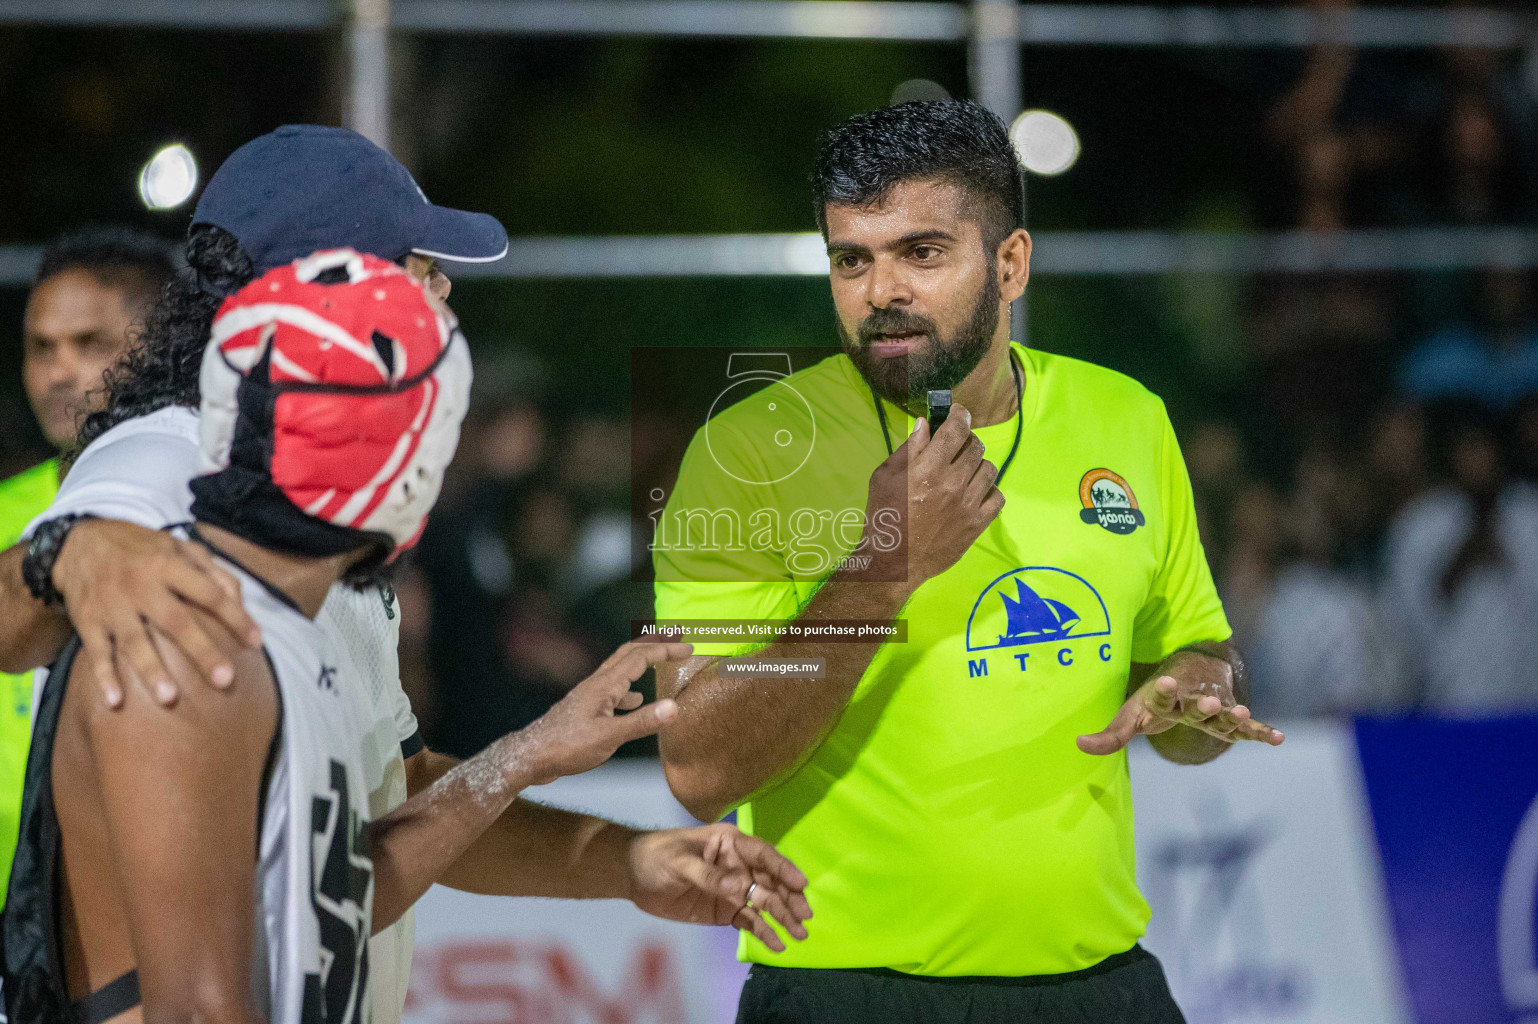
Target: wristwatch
{"type": "Point", "coordinates": [42, 552]}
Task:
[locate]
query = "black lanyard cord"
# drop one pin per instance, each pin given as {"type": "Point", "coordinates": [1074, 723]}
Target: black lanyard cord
{"type": "Point", "coordinates": [1014, 365]}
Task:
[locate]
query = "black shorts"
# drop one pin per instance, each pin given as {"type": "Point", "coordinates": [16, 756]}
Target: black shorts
{"type": "Point", "coordinates": [1128, 988]}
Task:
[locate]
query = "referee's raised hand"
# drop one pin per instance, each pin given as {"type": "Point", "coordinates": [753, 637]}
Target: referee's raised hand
{"type": "Point", "coordinates": [946, 488]}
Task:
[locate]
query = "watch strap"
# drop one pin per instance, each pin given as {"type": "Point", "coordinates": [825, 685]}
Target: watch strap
{"type": "Point", "coordinates": [42, 552]}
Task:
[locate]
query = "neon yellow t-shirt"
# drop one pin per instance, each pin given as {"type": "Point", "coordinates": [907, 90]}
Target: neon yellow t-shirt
{"type": "Point", "coordinates": [948, 823]}
{"type": "Point", "coordinates": [22, 498]}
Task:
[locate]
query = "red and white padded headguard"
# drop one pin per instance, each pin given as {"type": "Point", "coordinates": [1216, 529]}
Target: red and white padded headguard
{"type": "Point", "coordinates": [332, 387]}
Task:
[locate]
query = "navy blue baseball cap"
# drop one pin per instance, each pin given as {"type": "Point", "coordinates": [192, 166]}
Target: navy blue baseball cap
{"type": "Point", "coordinates": [305, 187]}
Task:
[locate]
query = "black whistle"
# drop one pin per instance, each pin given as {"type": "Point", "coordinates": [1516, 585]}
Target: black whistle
{"type": "Point", "coordinates": [939, 409]}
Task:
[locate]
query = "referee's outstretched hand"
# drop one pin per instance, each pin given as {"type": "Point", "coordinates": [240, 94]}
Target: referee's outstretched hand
{"type": "Point", "coordinates": [1189, 688]}
{"type": "Point", "coordinates": [947, 489]}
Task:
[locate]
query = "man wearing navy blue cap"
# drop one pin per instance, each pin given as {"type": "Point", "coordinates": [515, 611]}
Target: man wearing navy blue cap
{"type": "Point", "coordinates": [307, 186]}
{"type": "Point", "coordinates": [97, 562]}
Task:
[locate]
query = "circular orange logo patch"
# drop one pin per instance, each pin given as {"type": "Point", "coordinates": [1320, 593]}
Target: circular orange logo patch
{"type": "Point", "coordinates": [1109, 502]}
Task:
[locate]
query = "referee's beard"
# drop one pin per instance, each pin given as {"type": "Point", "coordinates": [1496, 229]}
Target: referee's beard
{"type": "Point", "coordinates": [942, 362]}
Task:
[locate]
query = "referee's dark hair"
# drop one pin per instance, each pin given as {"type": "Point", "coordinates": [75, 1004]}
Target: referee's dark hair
{"type": "Point", "coordinates": [134, 262]}
{"type": "Point", "coordinates": [960, 142]}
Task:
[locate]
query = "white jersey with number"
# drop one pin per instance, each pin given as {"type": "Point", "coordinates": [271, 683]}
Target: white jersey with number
{"type": "Point", "coordinates": [138, 472]}
{"type": "Point", "coordinates": [314, 878]}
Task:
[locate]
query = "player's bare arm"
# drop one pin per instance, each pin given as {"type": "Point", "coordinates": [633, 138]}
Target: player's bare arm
{"type": "Point", "coordinates": [734, 737]}
{"type": "Point", "coordinates": [31, 633]}
{"type": "Point", "coordinates": [160, 807]}
{"type": "Point", "coordinates": [415, 845]}
{"type": "Point", "coordinates": [698, 875]}
{"type": "Point", "coordinates": [1192, 706]}
{"type": "Point", "coordinates": [116, 578]}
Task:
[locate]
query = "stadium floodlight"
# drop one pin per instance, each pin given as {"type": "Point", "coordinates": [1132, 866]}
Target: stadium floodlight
{"type": "Point", "coordinates": [1047, 143]}
{"type": "Point", "coordinates": [169, 179]}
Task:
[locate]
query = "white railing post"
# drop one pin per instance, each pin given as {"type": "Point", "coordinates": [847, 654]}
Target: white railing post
{"type": "Point", "coordinates": [993, 58]}
{"type": "Point", "coordinates": [368, 74]}
{"type": "Point", "coordinates": [993, 65]}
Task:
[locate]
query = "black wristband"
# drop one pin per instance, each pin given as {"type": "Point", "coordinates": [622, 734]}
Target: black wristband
{"type": "Point", "coordinates": [42, 552]}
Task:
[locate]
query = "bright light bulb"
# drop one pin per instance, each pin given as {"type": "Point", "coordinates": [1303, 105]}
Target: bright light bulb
{"type": "Point", "coordinates": [1047, 144]}
{"type": "Point", "coordinates": [169, 178]}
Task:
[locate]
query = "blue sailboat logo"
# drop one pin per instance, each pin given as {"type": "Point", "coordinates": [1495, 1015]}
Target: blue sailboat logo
{"type": "Point", "coordinates": [1033, 619]}
{"type": "Point", "coordinates": [1037, 604]}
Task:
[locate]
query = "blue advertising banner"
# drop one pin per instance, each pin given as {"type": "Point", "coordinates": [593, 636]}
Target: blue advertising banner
{"type": "Point", "coordinates": [1453, 805]}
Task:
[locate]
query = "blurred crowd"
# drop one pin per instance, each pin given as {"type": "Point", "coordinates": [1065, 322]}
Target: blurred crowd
{"type": "Point", "coordinates": [1383, 559]}
{"type": "Point", "coordinates": [1385, 138]}
{"type": "Point", "coordinates": [1391, 568]}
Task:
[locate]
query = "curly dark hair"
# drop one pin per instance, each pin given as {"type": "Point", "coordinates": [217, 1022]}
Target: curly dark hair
{"type": "Point", "coordinates": [162, 369]}
{"type": "Point", "coordinates": [961, 142]}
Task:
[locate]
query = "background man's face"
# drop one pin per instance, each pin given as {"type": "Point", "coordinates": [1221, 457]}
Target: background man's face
{"type": "Point", "coordinates": [914, 290]}
{"type": "Point", "coordinates": [75, 329]}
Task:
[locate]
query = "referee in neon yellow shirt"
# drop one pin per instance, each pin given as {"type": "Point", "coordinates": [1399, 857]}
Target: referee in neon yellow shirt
{"type": "Point", "coordinates": [959, 800]}
{"type": "Point", "coordinates": [91, 287]}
